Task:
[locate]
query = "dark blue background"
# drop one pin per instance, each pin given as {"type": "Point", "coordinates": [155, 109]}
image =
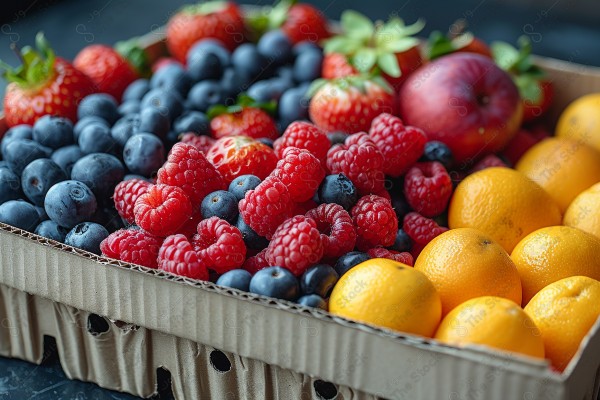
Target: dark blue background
{"type": "Point", "coordinates": [566, 29]}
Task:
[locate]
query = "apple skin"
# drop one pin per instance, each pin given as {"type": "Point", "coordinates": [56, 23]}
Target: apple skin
{"type": "Point", "coordinates": [465, 101]}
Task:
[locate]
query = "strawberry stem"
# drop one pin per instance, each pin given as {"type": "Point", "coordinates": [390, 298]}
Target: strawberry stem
{"type": "Point", "coordinates": [37, 64]}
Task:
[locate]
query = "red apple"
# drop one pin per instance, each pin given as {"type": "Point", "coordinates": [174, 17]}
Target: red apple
{"type": "Point", "coordinates": [465, 101]}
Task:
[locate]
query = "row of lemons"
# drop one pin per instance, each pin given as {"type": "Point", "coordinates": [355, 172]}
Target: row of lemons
{"type": "Point", "coordinates": [519, 269]}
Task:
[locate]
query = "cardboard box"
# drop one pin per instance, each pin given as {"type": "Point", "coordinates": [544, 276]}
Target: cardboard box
{"type": "Point", "coordinates": [223, 343]}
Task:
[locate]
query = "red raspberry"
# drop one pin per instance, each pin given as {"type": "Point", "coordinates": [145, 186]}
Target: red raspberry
{"type": "Point", "coordinates": [489, 161]}
{"type": "Point", "coordinates": [304, 135]}
{"type": "Point", "coordinates": [125, 195]}
{"type": "Point", "coordinates": [401, 145]}
{"type": "Point", "coordinates": [296, 245]}
{"type": "Point", "coordinates": [201, 142]}
{"type": "Point", "coordinates": [133, 246]}
{"type": "Point", "coordinates": [220, 245]}
{"type": "Point", "coordinates": [375, 221]}
{"type": "Point", "coordinates": [177, 255]}
{"type": "Point", "coordinates": [256, 263]}
{"type": "Point", "coordinates": [360, 160]}
{"type": "Point", "coordinates": [381, 252]}
{"type": "Point", "coordinates": [337, 230]}
{"type": "Point", "coordinates": [162, 210]}
{"type": "Point", "coordinates": [188, 168]}
{"type": "Point", "coordinates": [304, 207]}
{"type": "Point", "coordinates": [421, 230]}
{"type": "Point", "coordinates": [428, 187]}
{"type": "Point", "coordinates": [267, 206]}
{"type": "Point", "coordinates": [301, 172]}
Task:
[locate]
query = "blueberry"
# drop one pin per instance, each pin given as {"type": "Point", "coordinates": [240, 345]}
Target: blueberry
{"type": "Point", "coordinates": [155, 121]}
{"type": "Point", "coordinates": [172, 77]}
{"type": "Point", "coordinates": [51, 230]}
{"type": "Point", "coordinates": [97, 139]}
{"type": "Point", "coordinates": [85, 121]}
{"type": "Point", "coordinates": [265, 141]}
{"type": "Point", "coordinates": [437, 151]}
{"type": "Point", "coordinates": [144, 154]}
{"type": "Point", "coordinates": [400, 205]}
{"type": "Point", "coordinates": [70, 202]}
{"type": "Point", "coordinates": [135, 176]}
{"type": "Point", "coordinates": [172, 138]}
{"type": "Point", "coordinates": [285, 73]}
{"type": "Point", "coordinates": [192, 121]}
{"type": "Point", "coordinates": [247, 60]}
{"type": "Point", "coordinates": [233, 83]}
{"type": "Point", "coordinates": [125, 128]}
{"type": "Point", "coordinates": [349, 260]}
{"type": "Point", "coordinates": [337, 137]}
{"type": "Point", "coordinates": [168, 103]}
{"type": "Point", "coordinates": [268, 89]}
{"type": "Point", "coordinates": [276, 47]}
{"type": "Point", "coordinates": [206, 59]}
{"type": "Point", "coordinates": [240, 185]}
{"type": "Point", "coordinates": [129, 107]}
{"type": "Point", "coordinates": [38, 177]}
{"type": "Point", "coordinates": [236, 278]}
{"type": "Point", "coordinates": [16, 132]}
{"type": "Point", "coordinates": [10, 185]}
{"type": "Point", "coordinates": [293, 106]}
{"type": "Point", "coordinates": [305, 46]}
{"type": "Point", "coordinates": [338, 189]}
{"type": "Point", "coordinates": [101, 173]}
{"type": "Point", "coordinates": [220, 204]}
{"type": "Point", "coordinates": [136, 90]}
{"type": "Point", "coordinates": [66, 157]}
{"type": "Point", "coordinates": [307, 66]}
{"type": "Point", "coordinates": [20, 152]}
{"type": "Point", "coordinates": [252, 239]}
{"type": "Point", "coordinates": [275, 282]}
{"type": "Point", "coordinates": [19, 214]}
{"type": "Point", "coordinates": [312, 300]}
{"type": "Point", "coordinates": [205, 94]}
{"type": "Point", "coordinates": [100, 105]}
{"type": "Point", "coordinates": [42, 213]}
{"type": "Point", "coordinates": [402, 241]}
{"type": "Point", "coordinates": [109, 218]}
{"type": "Point", "coordinates": [53, 132]}
{"type": "Point", "coordinates": [318, 279]}
{"type": "Point", "coordinates": [87, 236]}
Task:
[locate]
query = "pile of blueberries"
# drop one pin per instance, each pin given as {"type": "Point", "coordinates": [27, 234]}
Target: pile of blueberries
{"type": "Point", "coordinates": [57, 179]}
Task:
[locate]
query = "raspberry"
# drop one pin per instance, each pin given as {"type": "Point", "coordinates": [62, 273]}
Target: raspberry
{"type": "Point", "coordinates": [337, 230]}
{"type": "Point", "coordinates": [125, 195]}
{"type": "Point", "coordinates": [188, 168]}
{"type": "Point", "coordinates": [256, 263]}
{"type": "Point", "coordinates": [301, 172]}
{"type": "Point", "coordinates": [267, 206]}
{"type": "Point", "coordinates": [177, 255]}
{"type": "Point", "coordinates": [162, 210]}
{"type": "Point", "coordinates": [190, 226]}
{"type": "Point", "coordinates": [304, 207]}
{"type": "Point", "coordinates": [201, 142]}
{"type": "Point", "coordinates": [428, 187]}
{"type": "Point", "coordinates": [400, 145]}
{"type": "Point", "coordinates": [296, 245]}
{"type": "Point", "coordinates": [220, 245]}
{"type": "Point", "coordinates": [380, 252]}
{"type": "Point", "coordinates": [304, 135]}
{"type": "Point", "coordinates": [375, 221]}
{"type": "Point", "coordinates": [421, 230]}
{"type": "Point", "coordinates": [360, 160]}
{"type": "Point", "coordinates": [133, 246]}
{"type": "Point", "coordinates": [489, 161]}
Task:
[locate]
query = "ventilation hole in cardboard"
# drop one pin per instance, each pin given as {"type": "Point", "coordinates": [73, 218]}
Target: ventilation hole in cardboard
{"type": "Point", "coordinates": [219, 361]}
{"type": "Point", "coordinates": [50, 350]}
{"type": "Point", "coordinates": [97, 325]}
{"type": "Point", "coordinates": [164, 390]}
{"type": "Point", "coordinates": [325, 390]}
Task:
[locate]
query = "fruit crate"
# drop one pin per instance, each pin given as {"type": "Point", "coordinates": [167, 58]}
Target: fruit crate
{"type": "Point", "coordinates": [117, 324]}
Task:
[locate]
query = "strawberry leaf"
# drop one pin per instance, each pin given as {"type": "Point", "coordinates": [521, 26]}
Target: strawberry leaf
{"type": "Point", "coordinates": [379, 80]}
{"type": "Point", "coordinates": [398, 26]}
{"type": "Point", "coordinates": [315, 86]}
{"type": "Point", "coordinates": [278, 14]}
{"type": "Point", "coordinates": [356, 25]}
{"type": "Point", "coordinates": [217, 110]}
{"type": "Point", "coordinates": [504, 54]}
{"type": "Point", "coordinates": [364, 59]}
{"type": "Point", "coordinates": [342, 44]}
{"type": "Point", "coordinates": [389, 64]}
{"type": "Point", "coordinates": [529, 88]}
{"type": "Point", "coordinates": [400, 45]}
{"type": "Point", "coordinates": [136, 55]}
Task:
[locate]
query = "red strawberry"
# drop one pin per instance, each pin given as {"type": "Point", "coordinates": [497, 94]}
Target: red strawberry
{"type": "Point", "coordinates": [518, 145]}
{"type": "Point", "coordinates": [45, 84]}
{"type": "Point", "coordinates": [539, 102]}
{"type": "Point", "coordinates": [216, 19]}
{"type": "Point", "coordinates": [336, 65]}
{"type": "Point", "coordinates": [349, 104]}
{"type": "Point", "coordinates": [240, 155]}
{"type": "Point", "coordinates": [110, 71]}
{"type": "Point", "coordinates": [247, 121]}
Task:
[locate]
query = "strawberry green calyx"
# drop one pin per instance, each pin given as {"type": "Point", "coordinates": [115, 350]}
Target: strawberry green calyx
{"type": "Point", "coordinates": [133, 52]}
{"type": "Point", "coordinates": [439, 44]}
{"type": "Point", "coordinates": [352, 81]}
{"type": "Point", "coordinates": [243, 101]}
{"type": "Point", "coordinates": [37, 65]}
{"type": "Point", "coordinates": [206, 8]}
{"type": "Point", "coordinates": [368, 45]}
{"type": "Point", "coordinates": [268, 18]}
{"type": "Point", "coordinates": [519, 64]}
